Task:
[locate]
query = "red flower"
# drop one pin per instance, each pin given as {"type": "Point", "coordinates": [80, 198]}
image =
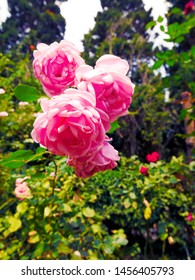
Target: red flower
{"type": "Point", "coordinates": [32, 47]}
{"type": "Point", "coordinates": [144, 170]}
{"type": "Point", "coordinates": [153, 157]}
{"type": "Point", "coordinates": [189, 217]}
{"type": "Point", "coordinates": [189, 7]}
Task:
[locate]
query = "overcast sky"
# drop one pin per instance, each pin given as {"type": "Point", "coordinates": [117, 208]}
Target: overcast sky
{"type": "Point", "coordinates": [79, 15]}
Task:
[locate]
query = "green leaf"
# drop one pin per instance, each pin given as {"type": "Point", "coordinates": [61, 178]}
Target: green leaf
{"type": "Point", "coordinates": [176, 11]}
{"type": "Point", "coordinates": [160, 19]}
{"type": "Point", "coordinates": [17, 159]}
{"type": "Point", "coordinates": [132, 195]}
{"type": "Point", "coordinates": [109, 249]}
{"type": "Point", "coordinates": [34, 239]}
{"type": "Point", "coordinates": [179, 39]}
{"type": "Point", "coordinates": [88, 212]}
{"type": "Point", "coordinates": [150, 24]}
{"type": "Point", "coordinates": [120, 241]}
{"type": "Point", "coordinates": [26, 93]}
{"type": "Point", "coordinates": [47, 211]}
{"type": "Point", "coordinates": [22, 207]}
{"type": "Point", "coordinates": [67, 208]}
{"type": "Point", "coordinates": [21, 157]}
{"type": "Point", "coordinates": [162, 28]}
{"type": "Point", "coordinates": [127, 203]}
{"type": "Point", "coordinates": [15, 224]}
{"type": "Point", "coordinates": [39, 152]}
{"type": "Point", "coordinates": [192, 50]}
{"type": "Point", "coordinates": [192, 166]}
{"type": "Point", "coordinates": [157, 64]}
{"type": "Point", "coordinates": [114, 126]}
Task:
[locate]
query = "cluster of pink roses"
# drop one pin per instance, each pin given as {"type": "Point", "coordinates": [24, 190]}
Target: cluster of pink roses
{"type": "Point", "coordinates": [83, 102]}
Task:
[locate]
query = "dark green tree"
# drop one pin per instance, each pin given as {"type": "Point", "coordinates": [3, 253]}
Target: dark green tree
{"type": "Point", "coordinates": [30, 22]}
{"type": "Point", "coordinates": [120, 29]}
{"type": "Point", "coordinates": [181, 16]}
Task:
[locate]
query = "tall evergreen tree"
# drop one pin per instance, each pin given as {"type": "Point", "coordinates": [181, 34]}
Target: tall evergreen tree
{"type": "Point", "coordinates": [182, 72]}
{"type": "Point", "coordinates": [120, 30]}
{"type": "Point", "coordinates": [31, 21]}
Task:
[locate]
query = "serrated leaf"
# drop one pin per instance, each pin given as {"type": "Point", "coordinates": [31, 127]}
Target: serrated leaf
{"type": "Point", "coordinates": [26, 93]}
{"type": "Point", "coordinates": [88, 212]}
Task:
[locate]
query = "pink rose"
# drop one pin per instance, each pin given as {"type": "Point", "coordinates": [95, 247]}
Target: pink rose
{"type": "Point", "coordinates": [144, 170]}
{"type": "Point", "coordinates": [105, 158]}
{"type": "Point", "coordinates": [108, 82]}
{"type": "Point", "coordinates": [55, 65]}
{"type": "Point", "coordinates": [69, 125]}
{"type": "Point", "coordinates": [189, 217]}
{"type": "Point", "coordinates": [3, 114]}
{"type": "Point", "coordinates": [22, 190]}
{"type": "Point", "coordinates": [153, 157]}
{"type": "Point", "coordinates": [2, 91]}
{"type": "Point", "coordinates": [19, 181]}
{"type": "Point", "coordinates": [189, 7]}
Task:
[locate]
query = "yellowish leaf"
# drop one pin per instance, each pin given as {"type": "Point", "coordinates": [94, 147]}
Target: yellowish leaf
{"type": "Point", "coordinates": [147, 213]}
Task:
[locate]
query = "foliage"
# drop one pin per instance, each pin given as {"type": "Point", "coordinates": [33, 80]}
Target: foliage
{"type": "Point", "coordinates": [26, 26]}
{"type": "Point", "coordinates": [179, 64]}
{"type": "Point", "coordinates": [118, 214]}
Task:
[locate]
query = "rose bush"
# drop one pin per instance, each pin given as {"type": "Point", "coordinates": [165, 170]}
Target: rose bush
{"type": "Point", "coordinates": [54, 65]}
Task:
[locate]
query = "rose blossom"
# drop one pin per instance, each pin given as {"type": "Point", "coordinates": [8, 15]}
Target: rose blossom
{"type": "Point", "coordinates": [2, 91]}
{"type": "Point", "coordinates": [153, 157]}
{"type": "Point", "coordinates": [144, 170]}
{"type": "Point", "coordinates": [108, 81]}
{"type": "Point", "coordinates": [55, 65]}
{"type": "Point", "coordinates": [22, 103]}
{"type": "Point", "coordinates": [3, 114]}
{"type": "Point", "coordinates": [19, 181]}
{"type": "Point", "coordinates": [22, 190]}
{"type": "Point", "coordinates": [69, 125]}
{"type": "Point", "coordinates": [105, 158]}
{"type": "Point", "coordinates": [189, 217]}
{"type": "Point", "coordinates": [189, 7]}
